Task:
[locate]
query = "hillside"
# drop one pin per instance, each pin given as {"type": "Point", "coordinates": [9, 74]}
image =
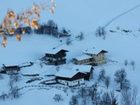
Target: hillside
{"type": "Point", "coordinates": [78, 16]}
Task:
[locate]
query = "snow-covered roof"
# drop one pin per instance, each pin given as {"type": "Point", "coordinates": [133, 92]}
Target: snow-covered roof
{"type": "Point", "coordinates": [54, 51]}
{"type": "Point", "coordinates": [70, 72]}
{"type": "Point", "coordinates": [90, 51]}
{"type": "Point", "coordinates": [83, 57]}
{"type": "Point", "coordinates": [93, 50]}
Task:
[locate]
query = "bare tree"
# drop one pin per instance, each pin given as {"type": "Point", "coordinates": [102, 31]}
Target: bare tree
{"type": "Point", "coordinates": [125, 62]}
{"type": "Point", "coordinates": [11, 83]}
{"type": "Point", "coordinates": [126, 97]}
{"type": "Point", "coordinates": [68, 41]}
{"type": "Point", "coordinates": [129, 97]}
{"type": "Point", "coordinates": [80, 36]}
{"type": "Point", "coordinates": [15, 77]}
{"type": "Point", "coordinates": [41, 64]}
{"type": "Point", "coordinates": [113, 98]}
{"type": "Point", "coordinates": [14, 92]}
{"type": "Point", "coordinates": [57, 97]}
{"type": "Point", "coordinates": [85, 101]}
{"type": "Point", "coordinates": [12, 79]}
{"type": "Point", "coordinates": [72, 90]}
{"type": "Point", "coordinates": [101, 76]}
{"type": "Point", "coordinates": [100, 32]}
{"type": "Point", "coordinates": [133, 64]}
{"type": "Point", "coordinates": [57, 68]}
{"type": "Point", "coordinates": [107, 81]}
{"type": "Point", "coordinates": [95, 96]}
{"type": "Point", "coordinates": [120, 78]}
{"type": "Point", "coordinates": [51, 26]}
{"type": "Point", "coordinates": [105, 100]}
{"type": "Point", "coordinates": [82, 92]}
{"type": "Point", "coordinates": [134, 95]}
{"type": "Point", "coordinates": [73, 101]}
{"type": "Point", "coordinates": [3, 96]}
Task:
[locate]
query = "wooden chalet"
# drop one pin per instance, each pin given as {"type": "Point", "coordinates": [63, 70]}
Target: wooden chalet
{"type": "Point", "coordinates": [55, 58]}
{"type": "Point", "coordinates": [91, 58]}
{"type": "Point", "coordinates": [10, 69]}
{"type": "Point", "coordinates": [74, 76]}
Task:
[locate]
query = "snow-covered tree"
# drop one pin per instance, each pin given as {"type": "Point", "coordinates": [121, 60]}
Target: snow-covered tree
{"type": "Point", "coordinates": [80, 36]}
{"type": "Point", "coordinates": [129, 97]}
{"type": "Point", "coordinates": [107, 81]}
{"type": "Point", "coordinates": [68, 41]}
{"type": "Point", "coordinates": [3, 96]}
{"type": "Point", "coordinates": [133, 64]}
{"type": "Point", "coordinates": [100, 32]}
{"type": "Point", "coordinates": [14, 92]}
{"type": "Point", "coordinates": [101, 76]}
{"type": "Point", "coordinates": [57, 97]}
{"type": "Point", "coordinates": [105, 100]}
{"type": "Point", "coordinates": [82, 92]}
{"type": "Point", "coordinates": [120, 78]}
{"type": "Point", "coordinates": [125, 62]}
{"type": "Point", "coordinates": [73, 101]}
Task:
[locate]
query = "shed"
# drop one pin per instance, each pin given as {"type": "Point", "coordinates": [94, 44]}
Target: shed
{"type": "Point", "coordinates": [10, 69]}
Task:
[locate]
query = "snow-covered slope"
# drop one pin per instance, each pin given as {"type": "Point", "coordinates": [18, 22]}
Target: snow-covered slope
{"type": "Point", "coordinates": [76, 15]}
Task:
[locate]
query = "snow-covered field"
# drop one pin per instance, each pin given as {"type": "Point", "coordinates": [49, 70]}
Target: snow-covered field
{"type": "Point", "coordinates": [76, 15]}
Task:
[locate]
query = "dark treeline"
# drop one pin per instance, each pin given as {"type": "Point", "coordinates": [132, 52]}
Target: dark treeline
{"type": "Point", "coordinates": [50, 28]}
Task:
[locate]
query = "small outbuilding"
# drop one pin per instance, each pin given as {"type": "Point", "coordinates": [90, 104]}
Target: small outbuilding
{"type": "Point", "coordinates": [10, 69]}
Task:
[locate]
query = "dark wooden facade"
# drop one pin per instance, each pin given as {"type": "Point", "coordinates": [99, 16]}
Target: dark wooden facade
{"type": "Point", "coordinates": [76, 79]}
{"type": "Point", "coordinates": [55, 59]}
{"type": "Point", "coordinates": [10, 69]}
{"type": "Point", "coordinates": [77, 76]}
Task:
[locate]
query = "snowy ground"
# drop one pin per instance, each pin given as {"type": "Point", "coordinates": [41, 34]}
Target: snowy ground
{"type": "Point", "coordinates": [79, 15]}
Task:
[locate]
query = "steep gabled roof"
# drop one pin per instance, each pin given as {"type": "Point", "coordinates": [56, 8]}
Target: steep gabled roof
{"type": "Point", "coordinates": [85, 56]}
{"type": "Point", "coordinates": [94, 51]}
{"type": "Point", "coordinates": [56, 53]}
{"type": "Point", "coordinates": [103, 51]}
{"type": "Point", "coordinates": [70, 72]}
{"type": "Point", "coordinates": [13, 67]}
